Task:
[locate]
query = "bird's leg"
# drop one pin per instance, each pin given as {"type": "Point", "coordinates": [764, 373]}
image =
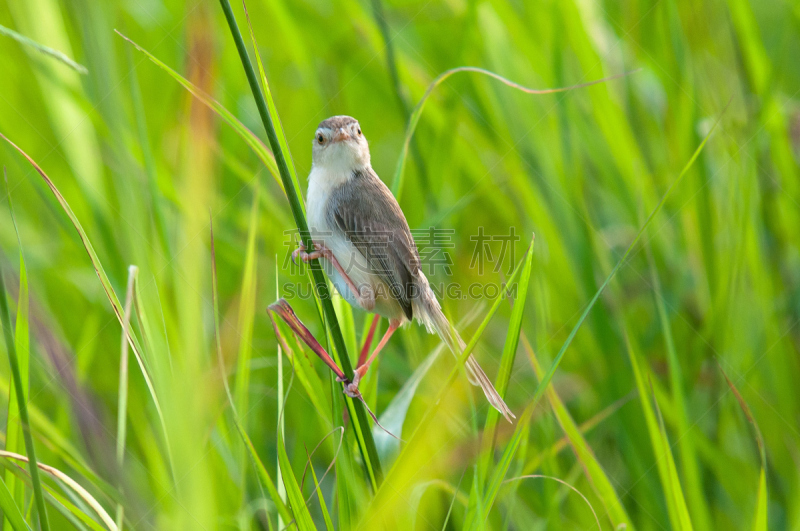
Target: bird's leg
{"type": "Point", "coordinates": [365, 296]}
{"type": "Point", "coordinates": [351, 389]}
{"type": "Point", "coordinates": [368, 341]}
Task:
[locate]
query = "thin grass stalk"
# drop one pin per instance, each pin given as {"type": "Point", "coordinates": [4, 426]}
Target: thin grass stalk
{"type": "Point", "coordinates": [22, 403]}
{"type": "Point", "coordinates": [41, 48]}
{"type": "Point", "coordinates": [281, 422]}
{"type": "Point", "coordinates": [366, 443]}
{"type": "Point", "coordinates": [122, 400]}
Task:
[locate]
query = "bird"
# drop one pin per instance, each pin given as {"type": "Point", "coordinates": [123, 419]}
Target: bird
{"type": "Point", "coordinates": [365, 246]}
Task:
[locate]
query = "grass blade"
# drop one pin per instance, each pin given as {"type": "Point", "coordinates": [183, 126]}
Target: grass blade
{"type": "Point", "coordinates": [73, 485]}
{"type": "Point", "coordinates": [302, 518]}
{"type": "Point", "coordinates": [687, 450]}
{"type": "Point", "coordinates": [41, 48]}
{"type": "Point", "coordinates": [22, 342]}
{"type": "Point", "coordinates": [549, 375]}
{"type": "Point", "coordinates": [22, 404]}
{"type": "Point", "coordinates": [325, 515]}
{"type": "Point", "coordinates": [246, 317]}
{"type": "Point", "coordinates": [122, 401]}
{"type": "Point", "coordinates": [10, 509]}
{"type": "Point", "coordinates": [255, 143]}
{"type": "Point", "coordinates": [397, 181]}
{"type": "Point", "coordinates": [583, 452]}
{"type": "Point", "coordinates": [263, 475]}
{"type": "Point", "coordinates": [412, 445]}
{"type": "Point", "coordinates": [273, 111]}
{"type": "Point", "coordinates": [676, 504]}
{"type": "Point", "coordinates": [104, 281]}
{"type": "Point", "coordinates": [358, 415]}
{"type": "Point", "coordinates": [760, 520]}
{"type": "Point", "coordinates": [501, 384]}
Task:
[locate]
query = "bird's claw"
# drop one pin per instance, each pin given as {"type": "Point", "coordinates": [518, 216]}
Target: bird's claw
{"type": "Point", "coordinates": [319, 250]}
{"type": "Point", "coordinates": [351, 388]}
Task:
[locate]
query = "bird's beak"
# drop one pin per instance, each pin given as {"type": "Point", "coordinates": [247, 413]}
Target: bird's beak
{"type": "Point", "coordinates": [341, 135]}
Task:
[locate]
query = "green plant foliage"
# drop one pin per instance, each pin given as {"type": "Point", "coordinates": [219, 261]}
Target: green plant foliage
{"type": "Point", "coordinates": [652, 147]}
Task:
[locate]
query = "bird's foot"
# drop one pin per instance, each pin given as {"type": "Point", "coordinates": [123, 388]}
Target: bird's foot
{"type": "Point", "coordinates": [319, 251]}
{"type": "Point", "coordinates": [351, 388]}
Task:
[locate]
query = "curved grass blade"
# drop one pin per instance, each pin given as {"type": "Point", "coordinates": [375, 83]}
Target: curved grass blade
{"type": "Point", "coordinates": [413, 442]}
{"type": "Point", "coordinates": [397, 182]}
{"type": "Point", "coordinates": [325, 515]}
{"type": "Point", "coordinates": [246, 318]}
{"type": "Point", "coordinates": [676, 503]}
{"type": "Point", "coordinates": [552, 370]}
{"type": "Point", "coordinates": [579, 493]}
{"type": "Point", "coordinates": [688, 453]}
{"type": "Point", "coordinates": [122, 401]}
{"type": "Point", "coordinates": [358, 416]}
{"type": "Point", "coordinates": [583, 452]}
{"type": "Point", "coordinates": [106, 283]}
{"type": "Point", "coordinates": [421, 489]}
{"type": "Point", "coordinates": [273, 111]}
{"type": "Point", "coordinates": [760, 520]}
{"type": "Point", "coordinates": [69, 482]}
{"type": "Point", "coordinates": [265, 479]}
{"type": "Point", "coordinates": [41, 48]}
{"type": "Point", "coordinates": [11, 510]}
{"type": "Point", "coordinates": [247, 135]}
{"type": "Point", "coordinates": [22, 342]}
{"type": "Point", "coordinates": [501, 384]}
{"type": "Point", "coordinates": [22, 404]}
{"type": "Point", "coordinates": [506, 362]}
{"type": "Point", "coordinates": [394, 415]}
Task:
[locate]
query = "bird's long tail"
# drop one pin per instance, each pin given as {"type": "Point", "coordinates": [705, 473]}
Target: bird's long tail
{"type": "Point", "coordinates": [427, 308]}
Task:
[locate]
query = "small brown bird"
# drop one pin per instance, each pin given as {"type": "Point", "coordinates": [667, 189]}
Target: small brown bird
{"type": "Point", "coordinates": [357, 226]}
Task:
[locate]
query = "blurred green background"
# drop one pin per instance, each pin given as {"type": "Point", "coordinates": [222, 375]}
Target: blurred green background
{"type": "Point", "coordinates": [712, 285]}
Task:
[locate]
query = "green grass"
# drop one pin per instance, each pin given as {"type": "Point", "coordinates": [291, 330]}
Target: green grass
{"type": "Point", "coordinates": [648, 347]}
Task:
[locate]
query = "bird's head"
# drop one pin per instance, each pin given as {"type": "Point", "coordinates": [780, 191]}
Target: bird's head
{"type": "Point", "coordinates": [339, 144]}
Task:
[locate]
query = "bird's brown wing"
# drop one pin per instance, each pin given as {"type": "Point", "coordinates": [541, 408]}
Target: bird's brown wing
{"type": "Point", "coordinates": [367, 213]}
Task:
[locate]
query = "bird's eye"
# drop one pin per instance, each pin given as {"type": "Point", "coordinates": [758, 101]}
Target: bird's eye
{"type": "Point", "coordinates": [320, 138]}
{"type": "Point", "coordinates": [359, 130]}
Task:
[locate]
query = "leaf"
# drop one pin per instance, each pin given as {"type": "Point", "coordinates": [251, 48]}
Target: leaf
{"type": "Point", "coordinates": [104, 281]}
{"type": "Point", "coordinates": [760, 520]}
{"type": "Point", "coordinates": [501, 384]}
{"type": "Point", "coordinates": [325, 516]}
{"type": "Point", "coordinates": [301, 515]}
{"type": "Point", "coordinates": [248, 136]}
{"type": "Point", "coordinates": [41, 48]}
{"type": "Point", "coordinates": [22, 403]}
{"type": "Point", "coordinates": [246, 317]}
{"type": "Point", "coordinates": [263, 475]}
{"type": "Point", "coordinates": [11, 509]}
{"type": "Point", "coordinates": [71, 483]}
{"type": "Point", "coordinates": [397, 182]}
{"type": "Point", "coordinates": [22, 343]}
{"type": "Point", "coordinates": [676, 504]}
{"type": "Point", "coordinates": [394, 415]}
{"type": "Point", "coordinates": [594, 471]}
{"type": "Point", "coordinates": [122, 400]}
